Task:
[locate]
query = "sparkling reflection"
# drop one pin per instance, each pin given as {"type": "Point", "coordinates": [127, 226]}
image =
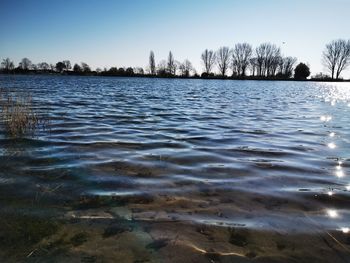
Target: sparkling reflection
{"type": "Point", "coordinates": [332, 213]}
{"type": "Point", "coordinates": [331, 145]}
{"type": "Point", "coordinates": [345, 230]}
{"type": "Point", "coordinates": [326, 118]}
{"type": "Point", "coordinates": [339, 174]}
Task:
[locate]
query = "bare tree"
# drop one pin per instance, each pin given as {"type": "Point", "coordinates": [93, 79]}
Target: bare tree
{"type": "Point", "coordinates": [152, 63]}
{"type": "Point", "coordinates": [253, 65]}
{"type": "Point", "coordinates": [186, 68]}
{"type": "Point", "coordinates": [273, 55]}
{"type": "Point", "coordinates": [162, 68]}
{"type": "Point", "coordinates": [260, 58]}
{"type": "Point", "coordinates": [336, 57]}
{"type": "Point", "coordinates": [331, 55]}
{"type": "Point", "coordinates": [7, 64]}
{"type": "Point", "coordinates": [208, 59]}
{"type": "Point", "coordinates": [344, 60]}
{"type": "Point", "coordinates": [25, 64]}
{"type": "Point", "coordinates": [223, 59]}
{"type": "Point", "coordinates": [171, 65]}
{"type": "Point", "coordinates": [138, 71]}
{"type": "Point", "coordinates": [241, 55]}
{"type": "Point", "coordinates": [43, 66]}
{"type": "Point", "coordinates": [268, 57]}
{"type": "Point", "coordinates": [288, 64]}
{"type": "Point", "coordinates": [67, 64]}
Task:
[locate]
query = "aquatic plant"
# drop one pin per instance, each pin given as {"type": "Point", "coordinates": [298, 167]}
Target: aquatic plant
{"type": "Point", "coordinates": [18, 115]}
{"type": "Point", "coordinates": [25, 230]}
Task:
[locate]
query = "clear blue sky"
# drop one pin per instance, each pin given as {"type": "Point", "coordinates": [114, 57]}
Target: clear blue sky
{"type": "Point", "coordinates": [106, 33]}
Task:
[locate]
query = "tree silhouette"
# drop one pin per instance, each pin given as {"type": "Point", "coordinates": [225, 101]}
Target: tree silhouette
{"type": "Point", "coordinates": [267, 59]}
{"type": "Point", "coordinates": [336, 57]}
{"type": "Point", "coordinates": [171, 66]}
{"type": "Point", "coordinates": [162, 68]}
{"type": "Point", "coordinates": [7, 65]}
{"type": "Point", "coordinates": [60, 66]}
{"type": "Point", "coordinates": [25, 64]}
{"type": "Point", "coordinates": [77, 68]}
{"type": "Point", "coordinates": [186, 68]}
{"type": "Point", "coordinates": [152, 63]}
{"type": "Point", "coordinates": [302, 71]}
{"type": "Point", "coordinates": [208, 58]}
{"type": "Point", "coordinates": [43, 66]}
{"type": "Point", "coordinates": [129, 71]}
{"type": "Point", "coordinates": [223, 59]}
{"type": "Point", "coordinates": [85, 67]}
{"type": "Point", "coordinates": [67, 64]}
{"type": "Point", "coordinates": [241, 55]}
{"type": "Point", "coordinates": [287, 65]}
{"type": "Point", "coordinates": [253, 65]}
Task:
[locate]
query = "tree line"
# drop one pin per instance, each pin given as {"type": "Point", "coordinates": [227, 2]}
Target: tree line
{"type": "Point", "coordinates": [242, 61]}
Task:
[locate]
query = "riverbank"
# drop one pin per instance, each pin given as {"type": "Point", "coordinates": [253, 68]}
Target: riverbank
{"type": "Point", "coordinates": [95, 74]}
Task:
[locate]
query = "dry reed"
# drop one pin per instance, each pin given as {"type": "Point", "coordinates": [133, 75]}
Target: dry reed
{"type": "Point", "coordinates": [18, 115]}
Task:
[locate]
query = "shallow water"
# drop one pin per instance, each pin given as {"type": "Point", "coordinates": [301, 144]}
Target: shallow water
{"type": "Point", "coordinates": [262, 156]}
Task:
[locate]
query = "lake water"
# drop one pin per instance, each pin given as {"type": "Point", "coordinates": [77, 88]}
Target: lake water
{"type": "Point", "coordinates": [244, 170]}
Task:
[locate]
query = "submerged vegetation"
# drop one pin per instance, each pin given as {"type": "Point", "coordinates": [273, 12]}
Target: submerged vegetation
{"type": "Point", "coordinates": [18, 115]}
{"type": "Point", "coordinates": [242, 61]}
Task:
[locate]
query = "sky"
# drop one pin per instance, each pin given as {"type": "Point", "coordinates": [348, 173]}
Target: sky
{"type": "Point", "coordinates": [105, 33]}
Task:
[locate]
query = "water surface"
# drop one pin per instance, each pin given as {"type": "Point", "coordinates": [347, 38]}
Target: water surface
{"type": "Point", "coordinates": [251, 155]}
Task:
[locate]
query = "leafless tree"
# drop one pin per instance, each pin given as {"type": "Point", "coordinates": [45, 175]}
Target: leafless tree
{"type": "Point", "coordinates": [241, 55]}
{"type": "Point", "coordinates": [162, 67]}
{"type": "Point", "coordinates": [138, 71]}
{"type": "Point", "coordinates": [43, 66]}
{"type": "Point", "coordinates": [186, 68]}
{"type": "Point", "coordinates": [336, 57]}
{"type": "Point", "coordinates": [260, 58]}
{"type": "Point", "coordinates": [25, 64]}
{"type": "Point", "coordinates": [287, 66]}
{"type": "Point", "coordinates": [67, 64]}
{"type": "Point", "coordinates": [275, 62]}
{"type": "Point", "coordinates": [268, 56]}
{"type": "Point", "coordinates": [152, 63]}
{"type": "Point", "coordinates": [253, 65]}
{"type": "Point", "coordinates": [171, 65]}
{"type": "Point", "coordinates": [344, 60]}
{"type": "Point", "coordinates": [208, 59]}
{"type": "Point", "coordinates": [223, 59]}
{"type": "Point", "coordinates": [273, 55]}
{"type": "Point", "coordinates": [7, 64]}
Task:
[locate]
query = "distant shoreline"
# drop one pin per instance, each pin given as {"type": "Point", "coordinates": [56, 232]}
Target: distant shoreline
{"type": "Point", "coordinates": [95, 74]}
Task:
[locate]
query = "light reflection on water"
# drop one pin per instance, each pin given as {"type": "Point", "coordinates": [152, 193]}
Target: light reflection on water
{"type": "Point", "coordinates": [233, 146]}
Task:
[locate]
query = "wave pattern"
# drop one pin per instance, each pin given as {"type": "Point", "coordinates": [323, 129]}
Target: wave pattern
{"type": "Point", "coordinates": [261, 154]}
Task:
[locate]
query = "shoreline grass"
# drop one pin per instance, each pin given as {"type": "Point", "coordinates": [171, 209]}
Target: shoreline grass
{"type": "Point", "coordinates": [18, 115]}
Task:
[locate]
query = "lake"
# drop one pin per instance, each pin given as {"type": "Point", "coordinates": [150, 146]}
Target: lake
{"type": "Point", "coordinates": [172, 170]}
